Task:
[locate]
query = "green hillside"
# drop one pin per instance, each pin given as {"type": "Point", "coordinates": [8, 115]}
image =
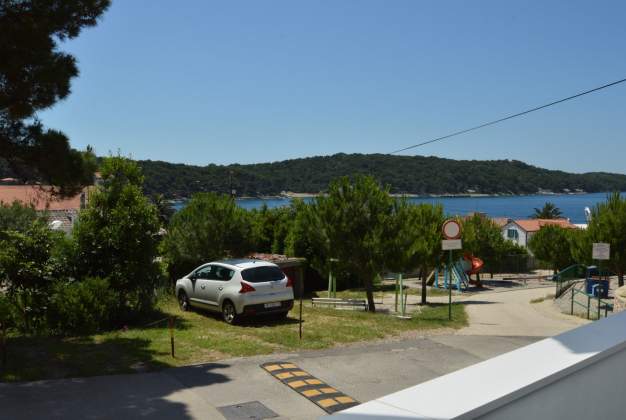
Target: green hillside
{"type": "Point", "coordinates": [405, 174]}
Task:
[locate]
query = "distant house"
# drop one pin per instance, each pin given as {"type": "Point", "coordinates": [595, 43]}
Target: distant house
{"type": "Point", "coordinates": [62, 213]}
{"type": "Point", "coordinates": [520, 231]}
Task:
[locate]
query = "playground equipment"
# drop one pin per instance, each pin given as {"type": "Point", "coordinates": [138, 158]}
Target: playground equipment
{"type": "Point", "coordinates": [476, 264]}
{"type": "Point", "coordinates": [459, 275]}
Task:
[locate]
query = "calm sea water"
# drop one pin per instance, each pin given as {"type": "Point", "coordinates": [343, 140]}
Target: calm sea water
{"type": "Point", "coordinates": [517, 207]}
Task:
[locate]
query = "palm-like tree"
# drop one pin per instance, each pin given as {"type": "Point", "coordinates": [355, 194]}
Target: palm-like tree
{"type": "Point", "coordinates": [549, 211]}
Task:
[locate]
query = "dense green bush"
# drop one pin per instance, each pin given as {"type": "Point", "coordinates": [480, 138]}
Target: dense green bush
{"type": "Point", "coordinates": [6, 313]}
{"type": "Point", "coordinates": [210, 227]}
{"type": "Point", "coordinates": [271, 227]}
{"type": "Point", "coordinates": [552, 245]}
{"type": "Point", "coordinates": [82, 307]}
{"type": "Point", "coordinates": [117, 237]}
{"type": "Point", "coordinates": [16, 217]}
{"type": "Point", "coordinates": [608, 224]}
{"type": "Point", "coordinates": [27, 271]}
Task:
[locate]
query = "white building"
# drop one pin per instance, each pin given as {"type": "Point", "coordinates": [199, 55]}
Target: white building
{"type": "Point", "coordinates": [520, 231]}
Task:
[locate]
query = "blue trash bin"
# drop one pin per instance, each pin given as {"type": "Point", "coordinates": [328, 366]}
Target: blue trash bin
{"type": "Point", "coordinates": [603, 287]}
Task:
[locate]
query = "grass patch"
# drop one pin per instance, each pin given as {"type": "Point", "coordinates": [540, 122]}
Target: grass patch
{"type": "Point", "coordinates": [387, 290]}
{"type": "Point", "coordinates": [541, 299]}
{"type": "Point", "coordinates": [202, 337]}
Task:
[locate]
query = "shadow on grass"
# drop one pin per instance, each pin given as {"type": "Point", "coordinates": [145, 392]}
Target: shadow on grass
{"type": "Point", "coordinates": [377, 288]}
{"type": "Point", "coordinates": [267, 321]}
{"type": "Point", "coordinates": [31, 358]}
{"type": "Point", "coordinates": [253, 321]}
{"type": "Point", "coordinates": [507, 284]}
{"type": "Point", "coordinates": [158, 319]}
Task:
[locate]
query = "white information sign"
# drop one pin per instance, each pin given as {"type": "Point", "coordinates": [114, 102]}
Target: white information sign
{"type": "Point", "coordinates": [601, 251]}
{"type": "Point", "coordinates": [450, 244]}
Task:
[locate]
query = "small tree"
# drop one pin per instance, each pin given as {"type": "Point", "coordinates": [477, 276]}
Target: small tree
{"type": "Point", "coordinates": [608, 224]}
{"type": "Point", "coordinates": [580, 245]}
{"type": "Point", "coordinates": [34, 75]}
{"type": "Point", "coordinates": [305, 238]}
{"type": "Point", "coordinates": [351, 222]}
{"type": "Point", "coordinates": [271, 227]}
{"type": "Point", "coordinates": [117, 235]}
{"type": "Point", "coordinates": [482, 238]}
{"type": "Point", "coordinates": [415, 240]}
{"type": "Point", "coordinates": [210, 227]}
{"type": "Point", "coordinates": [549, 211]}
{"type": "Point", "coordinates": [551, 244]}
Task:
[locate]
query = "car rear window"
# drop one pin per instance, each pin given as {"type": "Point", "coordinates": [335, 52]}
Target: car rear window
{"type": "Point", "coordinates": [262, 274]}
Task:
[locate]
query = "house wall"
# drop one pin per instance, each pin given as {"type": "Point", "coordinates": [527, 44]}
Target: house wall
{"type": "Point", "coordinates": [66, 217]}
{"type": "Point", "coordinates": [521, 234]}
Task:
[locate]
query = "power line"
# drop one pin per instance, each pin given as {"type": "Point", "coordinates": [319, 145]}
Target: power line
{"type": "Point", "coordinates": [509, 117]}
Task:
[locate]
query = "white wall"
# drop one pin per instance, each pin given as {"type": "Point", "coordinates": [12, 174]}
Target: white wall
{"type": "Point", "coordinates": [521, 234]}
{"type": "Point", "coordinates": [580, 374]}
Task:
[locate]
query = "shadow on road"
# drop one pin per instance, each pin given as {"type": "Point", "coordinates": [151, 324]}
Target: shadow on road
{"type": "Point", "coordinates": [151, 395]}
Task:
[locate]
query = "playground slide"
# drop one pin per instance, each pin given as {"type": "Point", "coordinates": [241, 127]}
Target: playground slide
{"type": "Point", "coordinates": [476, 264]}
{"type": "Point", "coordinates": [461, 270]}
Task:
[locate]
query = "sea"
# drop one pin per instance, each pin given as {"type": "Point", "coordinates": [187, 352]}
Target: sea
{"type": "Point", "coordinates": [515, 207]}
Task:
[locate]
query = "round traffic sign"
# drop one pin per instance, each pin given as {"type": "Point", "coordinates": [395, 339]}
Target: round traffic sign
{"type": "Point", "coordinates": [451, 229]}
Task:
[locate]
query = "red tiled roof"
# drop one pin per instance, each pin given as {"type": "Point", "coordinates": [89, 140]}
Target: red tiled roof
{"type": "Point", "coordinates": [533, 225]}
{"type": "Point", "coordinates": [38, 196]}
{"type": "Point", "coordinates": [500, 221]}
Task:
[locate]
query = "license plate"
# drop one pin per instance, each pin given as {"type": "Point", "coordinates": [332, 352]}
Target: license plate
{"type": "Point", "coordinates": [272, 305]}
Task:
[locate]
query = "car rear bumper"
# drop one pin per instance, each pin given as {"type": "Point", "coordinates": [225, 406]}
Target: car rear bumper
{"type": "Point", "coordinates": [260, 309]}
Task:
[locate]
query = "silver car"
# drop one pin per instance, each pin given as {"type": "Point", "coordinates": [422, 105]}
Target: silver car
{"type": "Point", "coordinates": [236, 288]}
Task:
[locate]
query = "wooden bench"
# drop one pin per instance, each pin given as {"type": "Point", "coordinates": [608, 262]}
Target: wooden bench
{"type": "Point", "coordinates": [338, 303]}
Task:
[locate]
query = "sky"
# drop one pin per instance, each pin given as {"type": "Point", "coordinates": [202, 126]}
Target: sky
{"type": "Point", "coordinates": [202, 82]}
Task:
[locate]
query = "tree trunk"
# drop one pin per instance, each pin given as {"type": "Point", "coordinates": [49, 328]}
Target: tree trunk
{"type": "Point", "coordinates": [478, 283]}
{"type": "Point", "coordinates": [422, 271]}
{"type": "Point", "coordinates": [3, 346]}
{"type": "Point", "coordinates": [369, 291]}
{"type": "Point", "coordinates": [620, 279]}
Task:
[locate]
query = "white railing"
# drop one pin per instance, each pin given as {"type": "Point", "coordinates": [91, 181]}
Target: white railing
{"type": "Point", "coordinates": [580, 374]}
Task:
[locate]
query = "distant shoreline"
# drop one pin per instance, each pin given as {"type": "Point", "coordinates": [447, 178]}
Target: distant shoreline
{"type": "Point", "coordinates": [293, 195]}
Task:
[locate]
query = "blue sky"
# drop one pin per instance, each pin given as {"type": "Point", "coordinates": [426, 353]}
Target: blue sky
{"type": "Point", "coordinates": [222, 82]}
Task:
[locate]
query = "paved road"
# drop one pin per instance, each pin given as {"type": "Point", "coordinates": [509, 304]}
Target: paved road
{"type": "Point", "coordinates": [363, 372]}
{"type": "Point", "coordinates": [511, 313]}
{"type": "Point", "coordinates": [499, 322]}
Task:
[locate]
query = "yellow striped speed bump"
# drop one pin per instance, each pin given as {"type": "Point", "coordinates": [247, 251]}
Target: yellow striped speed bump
{"type": "Point", "coordinates": [320, 393]}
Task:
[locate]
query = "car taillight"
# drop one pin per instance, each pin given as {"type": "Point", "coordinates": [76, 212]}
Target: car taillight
{"type": "Point", "coordinates": [289, 282]}
{"type": "Point", "coordinates": [245, 288]}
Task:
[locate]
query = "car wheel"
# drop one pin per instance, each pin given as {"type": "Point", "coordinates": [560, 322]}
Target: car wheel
{"type": "Point", "coordinates": [229, 314]}
{"type": "Point", "coordinates": [183, 301]}
{"type": "Point", "coordinates": [281, 316]}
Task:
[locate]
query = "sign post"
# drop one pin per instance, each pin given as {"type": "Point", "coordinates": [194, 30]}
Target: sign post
{"type": "Point", "coordinates": [170, 323]}
{"type": "Point", "coordinates": [601, 251]}
{"type": "Point", "coordinates": [452, 233]}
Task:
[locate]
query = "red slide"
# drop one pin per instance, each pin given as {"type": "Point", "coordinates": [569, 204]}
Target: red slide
{"type": "Point", "coordinates": [476, 263]}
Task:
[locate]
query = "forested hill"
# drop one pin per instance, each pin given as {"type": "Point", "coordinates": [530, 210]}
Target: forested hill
{"type": "Point", "coordinates": [404, 174]}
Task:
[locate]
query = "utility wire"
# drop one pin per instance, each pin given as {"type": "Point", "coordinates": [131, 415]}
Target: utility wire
{"type": "Point", "coordinates": [508, 117]}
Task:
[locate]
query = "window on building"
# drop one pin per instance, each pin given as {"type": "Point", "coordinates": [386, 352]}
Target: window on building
{"type": "Point", "coordinates": [512, 234]}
